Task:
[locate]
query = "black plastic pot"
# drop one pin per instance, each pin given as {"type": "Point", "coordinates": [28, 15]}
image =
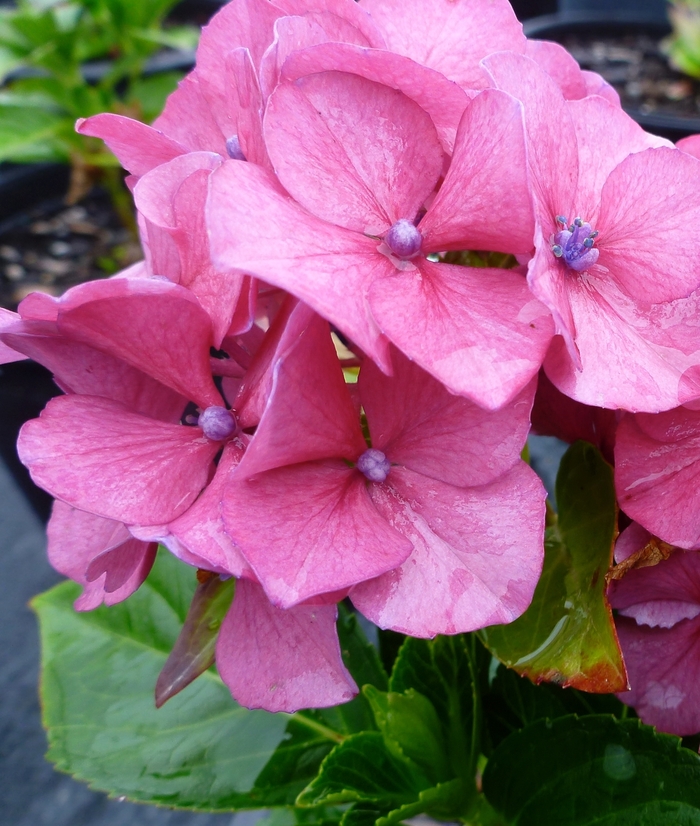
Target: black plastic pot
{"type": "Point", "coordinates": [653, 11]}
{"type": "Point", "coordinates": [616, 22]}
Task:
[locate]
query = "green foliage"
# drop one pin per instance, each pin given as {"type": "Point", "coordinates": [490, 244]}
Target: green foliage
{"type": "Point", "coordinates": [593, 770]}
{"type": "Point", "coordinates": [683, 45]}
{"type": "Point", "coordinates": [567, 635]}
{"type": "Point", "coordinates": [48, 50]}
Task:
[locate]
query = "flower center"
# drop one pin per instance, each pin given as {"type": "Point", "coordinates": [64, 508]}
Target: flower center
{"type": "Point", "coordinates": [233, 147]}
{"type": "Point", "coordinates": [217, 423]}
{"type": "Point", "coordinates": [404, 239]}
{"type": "Point", "coordinates": [374, 465]}
{"type": "Point", "coordinates": [574, 245]}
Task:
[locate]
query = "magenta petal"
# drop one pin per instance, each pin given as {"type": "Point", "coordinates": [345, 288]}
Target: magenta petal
{"type": "Point", "coordinates": [647, 204]}
{"type": "Point", "coordinates": [663, 667]}
{"type": "Point", "coordinates": [658, 474]}
{"type": "Point", "coordinates": [157, 327]}
{"type": "Point", "coordinates": [201, 529]}
{"type": "Point", "coordinates": [326, 266]}
{"type": "Point", "coordinates": [489, 159]}
{"type": "Point", "coordinates": [453, 37]}
{"type": "Point", "coordinates": [478, 331]}
{"type": "Point", "coordinates": [477, 554]}
{"type": "Point", "coordinates": [138, 147]}
{"type": "Point", "coordinates": [309, 414]}
{"type": "Point", "coordinates": [281, 660]}
{"type": "Point", "coordinates": [249, 106]}
{"type": "Point", "coordinates": [122, 465]}
{"type": "Point", "coordinates": [353, 152]}
{"type": "Point", "coordinates": [75, 538]}
{"type": "Point", "coordinates": [419, 424]}
{"type": "Point", "coordinates": [7, 354]}
{"type": "Point", "coordinates": [442, 99]}
{"type": "Point", "coordinates": [322, 531]}
{"type": "Point", "coordinates": [187, 118]}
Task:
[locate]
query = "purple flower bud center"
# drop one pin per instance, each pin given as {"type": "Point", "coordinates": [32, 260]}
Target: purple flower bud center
{"type": "Point", "coordinates": [217, 423]}
{"type": "Point", "coordinates": [374, 465]}
{"type": "Point", "coordinates": [404, 239]}
{"type": "Point", "coordinates": [233, 147]}
{"type": "Point", "coordinates": [574, 245]}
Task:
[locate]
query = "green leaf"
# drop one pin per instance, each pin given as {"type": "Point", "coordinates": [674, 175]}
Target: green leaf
{"type": "Point", "coordinates": [593, 770]}
{"type": "Point", "coordinates": [200, 751]}
{"type": "Point", "coordinates": [443, 671]}
{"type": "Point", "coordinates": [362, 767]}
{"type": "Point", "coordinates": [409, 720]}
{"type": "Point", "coordinates": [363, 814]}
{"type": "Point", "coordinates": [149, 93]}
{"type": "Point", "coordinates": [567, 635]}
{"type": "Point", "coordinates": [193, 652]}
{"type": "Point", "coordinates": [26, 134]}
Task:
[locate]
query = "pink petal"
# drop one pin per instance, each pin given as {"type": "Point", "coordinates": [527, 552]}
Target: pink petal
{"type": "Point", "coordinates": [647, 205]}
{"type": "Point", "coordinates": [327, 267]}
{"type": "Point", "coordinates": [347, 10]}
{"type": "Point", "coordinates": [157, 327]}
{"type": "Point", "coordinates": [321, 530]}
{"type": "Point", "coordinates": [309, 414]}
{"type": "Point", "coordinates": [78, 368]}
{"type": "Point", "coordinates": [560, 66]}
{"type": "Point", "coordinates": [477, 553]}
{"type": "Point", "coordinates": [75, 538]}
{"type": "Point", "coordinates": [419, 424]}
{"type": "Point", "coordinates": [201, 529]}
{"type": "Point", "coordinates": [453, 37]}
{"type": "Point", "coordinates": [7, 354]}
{"type": "Point", "coordinates": [691, 145]}
{"type": "Point", "coordinates": [353, 152]}
{"type": "Point", "coordinates": [632, 539]}
{"type": "Point", "coordinates": [122, 465]}
{"type": "Point", "coordinates": [281, 660]}
{"type": "Point", "coordinates": [442, 99]}
{"type": "Point", "coordinates": [613, 333]}
{"type": "Point", "coordinates": [138, 147]}
{"type": "Point", "coordinates": [247, 103]}
{"type": "Point", "coordinates": [489, 159]}
{"type": "Point", "coordinates": [188, 119]}
{"type": "Point", "coordinates": [597, 85]}
{"type": "Point", "coordinates": [552, 150]}
{"type": "Point", "coordinates": [658, 474]}
{"type": "Point", "coordinates": [478, 331]}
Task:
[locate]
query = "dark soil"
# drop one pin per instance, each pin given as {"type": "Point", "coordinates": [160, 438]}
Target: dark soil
{"type": "Point", "coordinates": [54, 246]}
{"type": "Point", "coordinates": [636, 66]}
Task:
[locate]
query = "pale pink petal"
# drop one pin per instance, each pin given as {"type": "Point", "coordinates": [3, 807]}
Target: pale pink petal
{"type": "Point", "coordinates": [138, 147]}
{"type": "Point", "coordinates": [490, 158]}
{"type": "Point", "coordinates": [560, 66]}
{"type": "Point", "coordinates": [7, 354]}
{"type": "Point", "coordinates": [353, 152]}
{"type": "Point", "coordinates": [187, 118]}
{"type": "Point", "coordinates": [597, 85]}
{"type": "Point", "coordinates": [606, 135]}
{"type": "Point", "coordinates": [453, 37]}
{"type": "Point", "coordinates": [647, 206]}
{"type": "Point", "coordinates": [442, 99]}
{"type": "Point", "coordinates": [322, 531]}
{"type": "Point", "coordinates": [663, 667]}
{"type": "Point", "coordinates": [157, 327]}
{"type": "Point", "coordinates": [309, 414]}
{"type": "Point", "coordinates": [479, 331]}
{"type": "Point", "coordinates": [78, 368]}
{"type": "Point", "coordinates": [281, 660]}
{"type": "Point", "coordinates": [552, 150]}
{"type": "Point", "coordinates": [477, 553]}
{"type": "Point", "coordinates": [348, 10]}
{"type": "Point", "coordinates": [612, 333]}
{"type": "Point", "coordinates": [326, 266]}
{"type": "Point", "coordinates": [121, 465]}
{"type": "Point", "coordinates": [658, 474]}
{"type": "Point", "coordinates": [419, 424]}
{"type": "Point", "coordinates": [201, 529]}
{"type": "Point", "coordinates": [76, 537]}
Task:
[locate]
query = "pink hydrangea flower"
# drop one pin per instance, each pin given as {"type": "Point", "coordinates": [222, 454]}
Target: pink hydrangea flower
{"type": "Point", "coordinates": [658, 626]}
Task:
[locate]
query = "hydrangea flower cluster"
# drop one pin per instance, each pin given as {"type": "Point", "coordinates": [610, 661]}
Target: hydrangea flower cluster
{"type": "Point", "coordinates": [374, 239]}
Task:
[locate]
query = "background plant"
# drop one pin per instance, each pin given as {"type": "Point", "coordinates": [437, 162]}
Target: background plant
{"type": "Point", "coordinates": [683, 45]}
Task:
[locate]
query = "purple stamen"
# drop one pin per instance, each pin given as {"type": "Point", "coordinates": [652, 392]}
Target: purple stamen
{"type": "Point", "coordinates": [217, 423]}
{"type": "Point", "coordinates": [233, 147]}
{"type": "Point", "coordinates": [374, 465]}
{"type": "Point", "coordinates": [575, 244]}
{"type": "Point", "coordinates": [404, 239]}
